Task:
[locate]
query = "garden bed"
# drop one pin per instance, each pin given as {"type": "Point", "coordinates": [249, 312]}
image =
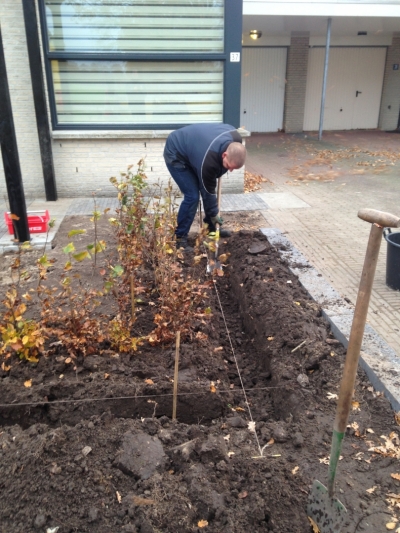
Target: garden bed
{"type": "Point", "coordinates": [89, 445]}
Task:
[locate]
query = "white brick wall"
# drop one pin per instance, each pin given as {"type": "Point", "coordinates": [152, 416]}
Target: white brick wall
{"type": "Point", "coordinates": [390, 103]}
{"type": "Point", "coordinates": [20, 86]}
{"type": "Point", "coordinates": [85, 165]}
{"type": "Point", "coordinates": [296, 80]}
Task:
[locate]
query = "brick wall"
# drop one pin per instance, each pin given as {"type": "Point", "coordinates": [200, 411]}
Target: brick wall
{"type": "Point", "coordinates": [390, 103]}
{"type": "Point", "coordinates": [20, 86]}
{"type": "Point", "coordinates": [85, 165]}
{"type": "Point", "coordinates": [296, 80]}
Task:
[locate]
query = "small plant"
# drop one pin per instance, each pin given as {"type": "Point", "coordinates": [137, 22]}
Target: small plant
{"type": "Point", "coordinates": [181, 296]}
{"type": "Point", "coordinates": [23, 337]}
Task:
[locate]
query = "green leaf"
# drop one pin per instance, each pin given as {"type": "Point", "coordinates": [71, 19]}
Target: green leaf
{"type": "Point", "coordinates": [44, 261]}
{"type": "Point", "coordinates": [81, 256]}
{"type": "Point", "coordinates": [100, 246]}
{"type": "Point", "coordinates": [76, 232]}
{"type": "Point", "coordinates": [69, 248]}
{"type": "Point", "coordinates": [90, 247]}
{"type": "Point", "coordinates": [117, 271]}
{"type": "Point", "coordinates": [25, 245]}
{"type": "Point", "coordinates": [52, 223]}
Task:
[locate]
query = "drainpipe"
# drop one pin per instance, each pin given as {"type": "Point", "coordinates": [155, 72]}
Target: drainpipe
{"type": "Point", "coordinates": [39, 98]}
{"type": "Point", "coordinates": [328, 43]}
{"type": "Point", "coordinates": [9, 152]}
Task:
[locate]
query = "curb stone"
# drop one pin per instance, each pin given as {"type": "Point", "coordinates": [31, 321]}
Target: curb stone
{"type": "Point", "coordinates": [379, 361]}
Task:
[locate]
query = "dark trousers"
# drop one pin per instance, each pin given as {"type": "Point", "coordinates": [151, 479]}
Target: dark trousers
{"type": "Point", "coordinates": [189, 185]}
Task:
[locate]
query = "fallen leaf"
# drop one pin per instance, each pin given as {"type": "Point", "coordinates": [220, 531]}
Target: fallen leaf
{"type": "Point", "coordinates": [371, 490]}
{"type": "Point", "coordinates": [137, 500]}
{"type": "Point", "coordinates": [314, 525]}
{"type": "Point", "coordinates": [270, 338]}
{"type": "Point", "coordinates": [242, 495]}
{"type": "Point", "coordinates": [106, 376]}
{"type": "Point", "coordinates": [68, 360]}
{"type": "Point", "coordinates": [369, 430]}
{"type": "Point", "coordinates": [295, 470]}
{"type": "Point", "coordinates": [390, 525]}
{"type": "Point", "coordinates": [227, 437]}
{"type": "Point", "coordinates": [355, 406]}
{"type": "Point", "coordinates": [332, 396]}
{"type": "Point", "coordinates": [238, 409]}
{"type": "Point", "coordinates": [393, 499]}
{"type": "Point", "coordinates": [395, 476]}
{"type": "Point", "coordinates": [149, 381]}
{"type": "Point", "coordinates": [4, 367]}
{"type": "Point", "coordinates": [231, 453]}
{"type": "Point", "coordinates": [202, 523]}
{"type": "Point", "coordinates": [219, 349]}
{"type": "Point", "coordinates": [28, 383]}
{"type": "Point", "coordinates": [251, 426]}
{"type": "Point", "coordinates": [297, 303]}
{"type": "Point", "coordinates": [212, 387]}
{"type": "Point", "coordinates": [118, 497]}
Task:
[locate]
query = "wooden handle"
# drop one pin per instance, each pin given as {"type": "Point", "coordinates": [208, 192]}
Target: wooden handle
{"type": "Point", "coordinates": [386, 220]}
{"type": "Point", "coordinates": [354, 347]}
{"type": "Point", "coordinates": [219, 193]}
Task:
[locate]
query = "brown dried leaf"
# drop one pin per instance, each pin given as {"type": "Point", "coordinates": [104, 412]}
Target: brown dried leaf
{"type": "Point", "coordinates": [149, 381]}
{"type": "Point", "coordinates": [28, 383]}
{"type": "Point", "coordinates": [142, 501]}
{"type": "Point", "coordinates": [314, 525]}
{"type": "Point", "coordinates": [202, 523]}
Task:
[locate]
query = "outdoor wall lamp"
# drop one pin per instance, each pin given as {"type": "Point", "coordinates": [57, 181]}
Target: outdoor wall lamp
{"type": "Point", "coordinates": [255, 34]}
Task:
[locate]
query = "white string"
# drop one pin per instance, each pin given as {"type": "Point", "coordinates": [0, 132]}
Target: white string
{"type": "Point", "coordinates": [237, 366]}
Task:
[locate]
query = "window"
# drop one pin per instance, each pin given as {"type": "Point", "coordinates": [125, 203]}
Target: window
{"type": "Point", "coordinates": [137, 64]}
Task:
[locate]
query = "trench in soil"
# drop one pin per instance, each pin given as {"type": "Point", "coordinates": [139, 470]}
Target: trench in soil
{"type": "Point", "coordinates": [289, 390]}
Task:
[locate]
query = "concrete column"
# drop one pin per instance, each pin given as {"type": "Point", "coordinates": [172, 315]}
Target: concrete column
{"type": "Point", "coordinates": [296, 80]}
{"type": "Point", "coordinates": [20, 86]}
{"type": "Point", "coordinates": [390, 103]}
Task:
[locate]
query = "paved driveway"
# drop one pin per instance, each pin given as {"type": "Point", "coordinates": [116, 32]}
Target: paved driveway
{"type": "Point", "coordinates": [314, 194]}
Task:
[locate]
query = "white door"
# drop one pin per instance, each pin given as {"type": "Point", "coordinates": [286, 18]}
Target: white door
{"type": "Point", "coordinates": [263, 89]}
{"type": "Point", "coordinates": [354, 88]}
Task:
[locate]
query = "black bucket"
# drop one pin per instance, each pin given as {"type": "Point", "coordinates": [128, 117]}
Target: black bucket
{"type": "Point", "coordinates": [392, 259]}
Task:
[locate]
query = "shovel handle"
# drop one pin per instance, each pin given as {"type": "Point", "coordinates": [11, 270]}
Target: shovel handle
{"type": "Point", "coordinates": [386, 220]}
{"type": "Point", "coordinates": [378, 220]}
{"type": "Point", "coordinates": [219, 193]}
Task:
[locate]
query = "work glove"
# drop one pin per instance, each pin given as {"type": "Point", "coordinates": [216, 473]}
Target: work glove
{"type": "Point", "coordinates": [217, 220]}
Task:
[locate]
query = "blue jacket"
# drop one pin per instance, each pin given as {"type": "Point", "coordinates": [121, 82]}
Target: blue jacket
{"type": "Point", "coordinates": [200, 147]}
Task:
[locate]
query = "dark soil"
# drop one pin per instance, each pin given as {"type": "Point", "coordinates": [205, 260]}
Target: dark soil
{"type": "Point", "coordinates": [95, 450]}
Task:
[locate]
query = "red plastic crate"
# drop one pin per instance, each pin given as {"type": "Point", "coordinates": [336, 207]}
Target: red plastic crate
{"type": "Point", "coordinates": [37, 222]}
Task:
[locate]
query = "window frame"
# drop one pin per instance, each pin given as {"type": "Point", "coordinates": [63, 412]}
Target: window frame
{"type": "Point", "coordinates": [231, 70]}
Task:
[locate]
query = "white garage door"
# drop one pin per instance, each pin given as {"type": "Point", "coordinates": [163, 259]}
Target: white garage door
{"type": "Point", "coordinates": [353, 92]}
{"type": "Point", "coordinates": [263, 89]}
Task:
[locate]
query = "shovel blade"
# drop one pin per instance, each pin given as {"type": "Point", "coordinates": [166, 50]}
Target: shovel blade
{"type": "Point", "coordinates": [328, 513]}
{"type": "Point", "coordinates": [213, 265]}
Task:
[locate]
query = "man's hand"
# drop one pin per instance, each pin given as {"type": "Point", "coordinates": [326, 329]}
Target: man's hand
{"type": "Point", "coordinates": [217, 220]}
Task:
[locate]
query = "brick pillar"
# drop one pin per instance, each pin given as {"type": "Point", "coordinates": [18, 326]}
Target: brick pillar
{"type": "Point", "coordinates": [390, 103]}
{"type": "Point", "coordinates": [296, 80]}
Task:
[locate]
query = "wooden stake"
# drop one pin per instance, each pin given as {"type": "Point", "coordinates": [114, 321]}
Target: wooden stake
{"type": "Point", "coordinates": [132, 297]}
{"type": "Point", "coordinates": [178, 341]}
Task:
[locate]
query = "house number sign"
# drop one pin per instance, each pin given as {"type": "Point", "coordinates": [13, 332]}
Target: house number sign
{"type": "Point", "coordinates": [235, 57]}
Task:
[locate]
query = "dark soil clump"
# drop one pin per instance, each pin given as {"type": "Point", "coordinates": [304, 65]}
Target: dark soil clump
{"type": "Point", "coordinates": [95, 449]}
